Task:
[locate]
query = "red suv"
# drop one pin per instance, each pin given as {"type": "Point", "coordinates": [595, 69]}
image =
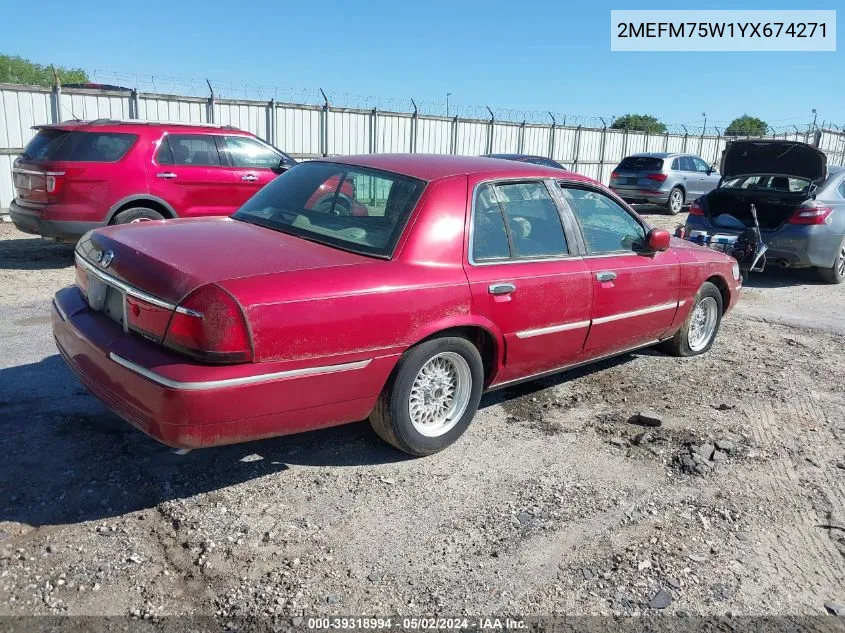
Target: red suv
{"type": "Point", "coordinates": [81, 175]}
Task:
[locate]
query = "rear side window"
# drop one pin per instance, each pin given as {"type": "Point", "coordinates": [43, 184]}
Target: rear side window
{"type": "Point", "coordinates": [641, 163]}
{"type": "Point", "coordinates": [198, 150]}
{"type": "Point", "coordinates": [516, 220]}
{"type": "Point", "coordinates": [73, 146]}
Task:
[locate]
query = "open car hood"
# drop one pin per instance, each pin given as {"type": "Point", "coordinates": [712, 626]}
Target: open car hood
{"type": "Point", "coordinates": [773, 157]}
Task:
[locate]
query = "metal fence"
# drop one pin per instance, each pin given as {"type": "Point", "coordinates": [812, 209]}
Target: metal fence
{"type": "Point", "coordinates": [310, 131]}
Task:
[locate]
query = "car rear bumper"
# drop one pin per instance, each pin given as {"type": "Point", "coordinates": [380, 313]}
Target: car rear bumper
{"type": "Point", "coordinates": [30, 220]}
{"type": "Point", "coordinates": [791, 246]}
{"type": "Point", "coordinates": [188, 405]}
{"type": "Point", "coordinates": [641, 196]}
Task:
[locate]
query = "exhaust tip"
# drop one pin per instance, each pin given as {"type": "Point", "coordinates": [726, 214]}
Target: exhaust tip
{"type": "Point", "coordinates": [783, 263]}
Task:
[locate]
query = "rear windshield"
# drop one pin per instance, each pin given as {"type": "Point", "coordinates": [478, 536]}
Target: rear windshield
{"type": "Point", "coordinates": [349, 207]}
{"type": "Point", "coordinates": [66, 145]}
{"type": "Point", "coordinates": [641, 163]}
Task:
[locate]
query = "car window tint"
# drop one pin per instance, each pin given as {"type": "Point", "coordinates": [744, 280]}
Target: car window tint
{"type": "Point", "coordinates": [842, 188]}
{"type": "Point", "coordinates": [490, 240]}
{"type": "Point", "coordinates": [641, 163]}
{"type": "Point", "coordinates": [248, 152]}
{"type": "Point", "coordinates": [188, 149]}
{"type": "Point", "coordinates": [676, 165]}
{"type": "Point", "coordinates": [687, 163]}
{"type": "Point", "coordinates": [100, 147]}
{"type": "Point", "coordinates": [532, 219]}
{"type": "Point", "coordinates": [355, 208]}
{"type": "Point", "coordinates": [606, 226]}
{"type": "Point", "coordinates": [700, 165]}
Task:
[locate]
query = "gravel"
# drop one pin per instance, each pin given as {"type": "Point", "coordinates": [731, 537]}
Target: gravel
{"type": "Point", "coordinates": [551, 503]}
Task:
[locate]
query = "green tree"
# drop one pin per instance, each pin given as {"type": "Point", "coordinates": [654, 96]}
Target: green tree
{"type": "Point", "coordinates": [17, 70]}
{"type": "Point", "coordinates": [747, 126]}
{"type": "Point", "coordinates": [640, 123]}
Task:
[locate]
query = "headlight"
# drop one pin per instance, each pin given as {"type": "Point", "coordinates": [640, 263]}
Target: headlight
{"type": "Point", "coordinates": [735, 271]}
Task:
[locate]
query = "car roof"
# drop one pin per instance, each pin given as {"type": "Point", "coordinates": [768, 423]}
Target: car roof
{"type": "Point", "coordinates": [132, 125]}
{"type": "Point", "coordinates": [436, 166]}
{"type": "Point", "coordinates": [658, 155]}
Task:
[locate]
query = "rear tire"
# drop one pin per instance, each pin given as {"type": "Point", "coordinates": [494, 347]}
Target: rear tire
{"type": "Point", "coordinates": [836, 273]}
{"type": "Point", "coordinates": [414, 412]}
{"type": "Point", "coordinates": [676, 201]}
{"type": "Point", "coordinates": [136, 214]}
{"type": "Point", "coordinates": [699, 330]}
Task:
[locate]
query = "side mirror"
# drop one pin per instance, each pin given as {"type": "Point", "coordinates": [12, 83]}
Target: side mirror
{"type": "Point", "coordinates": [283, 166]}
{"type": "Point", "coordinates": [712, 170]}
{"type": "Point", "coordinates": [658, 240]}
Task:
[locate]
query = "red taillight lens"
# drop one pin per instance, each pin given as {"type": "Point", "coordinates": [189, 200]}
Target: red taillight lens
{"type": "Point", "coordinates": [614, 174]}
{"type": "Point", "coordinates": [82, 279]}
{"type": "Point", "coordinates": [210, 325]}
{"type": "Point", "coordinates": [147, 318]}
{"type": "Point", "coordinates": [810, 213]}
{"type": "Point", "coordinates": [657, 177]}
{"type": "Point", "coordinates": [695, 209]}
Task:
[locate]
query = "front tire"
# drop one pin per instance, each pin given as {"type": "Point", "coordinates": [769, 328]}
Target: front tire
{"type": "Point", "coordinates": [699, 330]}
{"type": "Point", "coordinates": [136, 214]}
{"type": "Point", "coordinates": [431, 396]}
{"type": "Point", "coordinates": [676, 201]}
{"type": "Point", "coordinates": [836, 273]}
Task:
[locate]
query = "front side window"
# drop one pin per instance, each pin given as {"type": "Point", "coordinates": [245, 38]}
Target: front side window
{"type": "Point", "coordinates": [606, 226]}
{"type": "Point", "coordinates": [687, 163]}
{"type": "Point", "coordinates": [354, 208]}
{"type": "Point", "coordinates": [700, 165]}
{"type": "Point", "coordinates": [516, 221]}
{"type": "Point", "coordinates": [190, 150]}
{"type": "Point", "coordinates": [247, 152]}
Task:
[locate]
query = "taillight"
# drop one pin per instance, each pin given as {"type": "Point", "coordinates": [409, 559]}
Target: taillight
{"type": "Point", "coordinates": [147, 318]}
{"type": "Point", "coordinates": [210, 325]}
{"type": "Point", "coordinates": [695, 209]}
{"type": "Point", "coordinates": [53, 184]}
{"type": "Point", "coordinates": [810, 213]}
{"type": "Point", "coordinates": [82, 279]}
{"type": "Point", "coordinates": [657, 177]}
{"type": "Point", "coordinates": [614, 174]}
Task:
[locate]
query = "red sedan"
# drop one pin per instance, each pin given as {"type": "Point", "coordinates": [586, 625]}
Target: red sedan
{"type": "Point", "coordinates": [464, 275]}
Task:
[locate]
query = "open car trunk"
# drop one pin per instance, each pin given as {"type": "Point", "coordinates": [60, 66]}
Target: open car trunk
{"type": "Point", "coordinates": [773, 209]}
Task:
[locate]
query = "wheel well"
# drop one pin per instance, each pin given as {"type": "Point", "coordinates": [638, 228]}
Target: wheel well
{"type": "Point", "coordinates": [143, 202]}
{"type": "Point", "coordinates": [723, 290]}
{"type": "Point", "coordinates": [478, 336]}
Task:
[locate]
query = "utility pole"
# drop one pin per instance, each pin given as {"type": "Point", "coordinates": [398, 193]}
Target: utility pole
{"type": "Point", "coordinates": [704, 129]}
{"type": "Point", "coordinates": [448, 94]}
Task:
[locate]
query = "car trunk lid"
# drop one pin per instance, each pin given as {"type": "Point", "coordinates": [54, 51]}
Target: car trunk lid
{"type": "Point", "coordinates": [773, 157]}
{"type": "Point", "coordinates": [169, 259]}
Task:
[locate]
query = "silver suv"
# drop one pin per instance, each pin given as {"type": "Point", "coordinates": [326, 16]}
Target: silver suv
{"type": "Point", "coordinates": [667, 179]}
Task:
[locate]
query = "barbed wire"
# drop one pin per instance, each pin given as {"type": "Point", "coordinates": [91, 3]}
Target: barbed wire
{"type": "Point", "coordinates": [229, 89]}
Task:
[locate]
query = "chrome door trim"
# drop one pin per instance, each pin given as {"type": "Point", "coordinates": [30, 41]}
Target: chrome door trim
{"type": "Point", "coordinates": [634, 313]}
{"type": "Point", "coordinates": [563, 327]}
{"type": "Point", "coordinates": [235, 382]}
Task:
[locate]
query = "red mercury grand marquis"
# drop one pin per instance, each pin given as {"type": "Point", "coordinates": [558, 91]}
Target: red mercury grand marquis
{"type": "Point", "coordinates": [464, 274]}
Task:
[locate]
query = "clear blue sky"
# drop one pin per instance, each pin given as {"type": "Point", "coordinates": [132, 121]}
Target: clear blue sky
{"type": "Point", "coordinates": [532, 55]}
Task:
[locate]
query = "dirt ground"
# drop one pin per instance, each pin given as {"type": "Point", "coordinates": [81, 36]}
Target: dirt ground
{"type": "Point", "coordinates": [552, 503]}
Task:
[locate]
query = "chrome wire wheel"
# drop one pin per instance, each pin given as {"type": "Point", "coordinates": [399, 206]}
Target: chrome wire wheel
{"type": "Point", "coordinates": [676, 201]}
{"type": "Point", "coordinates": [702, 327]}
{"type": "Point", "coordinates": [440, 394]}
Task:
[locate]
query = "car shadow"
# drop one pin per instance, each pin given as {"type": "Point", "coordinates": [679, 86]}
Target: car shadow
{"type": "Point", "coordinates": [34, 254]}
{"type": "Point", "coordinates": [68, 459]}
{"type": "Point", "coordinates": [773, 277]}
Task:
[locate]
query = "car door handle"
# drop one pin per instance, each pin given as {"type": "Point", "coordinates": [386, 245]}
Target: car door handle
{"type": "Point", "coordinates": [606, 275]}
{"type": "Point", "coordinates": [167, 175]}
{"type": "Point", "coordinates": [249, 177]}
{"type": "Point", "coordinates": [501, 289]}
